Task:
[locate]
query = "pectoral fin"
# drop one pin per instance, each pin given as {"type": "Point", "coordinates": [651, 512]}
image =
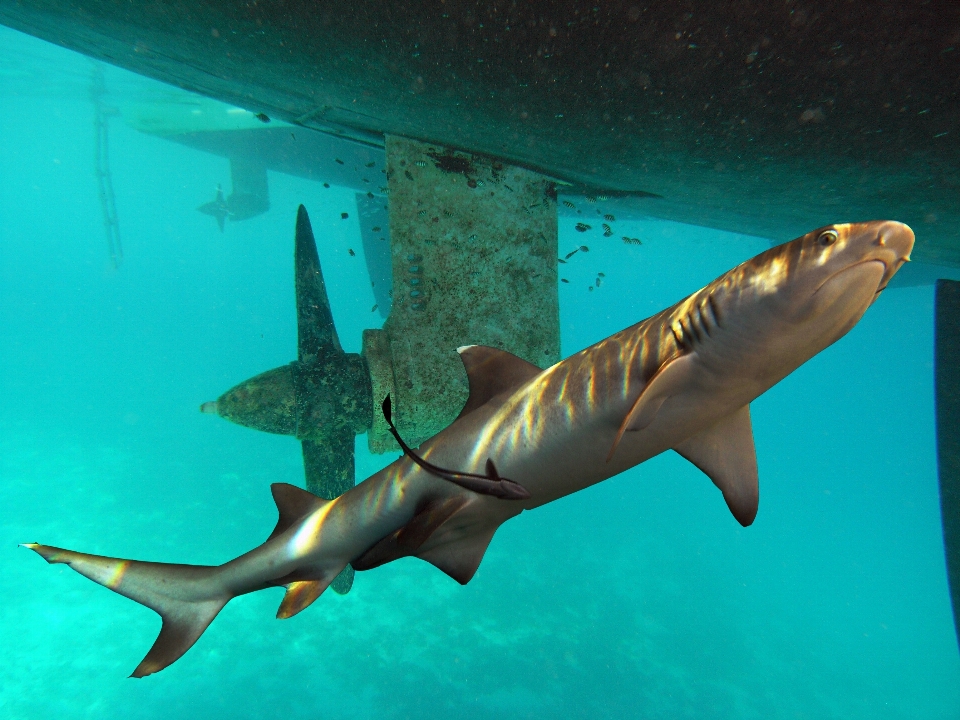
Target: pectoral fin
{"type": "Point", "coordinates": [670, 378]}
{"type": "Point", "coordinates": [725, 452]}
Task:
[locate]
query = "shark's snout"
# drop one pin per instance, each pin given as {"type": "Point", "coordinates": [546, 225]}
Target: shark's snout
{"type": "Point", "coordinates": [894, 243]}
{"type": "Point", "coordinates": [873, 253]}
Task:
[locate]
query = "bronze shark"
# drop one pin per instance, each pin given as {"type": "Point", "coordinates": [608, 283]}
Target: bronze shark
{"type": "Point", "coordinates": [682, 379]}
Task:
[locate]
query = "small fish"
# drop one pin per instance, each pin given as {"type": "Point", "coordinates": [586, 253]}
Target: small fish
{"type": "Point", "coordinates": [631, 241]}
{"type": "Point", "coordinates": [370, 195]}
{"type": "Point", "coordinates": [561, 260]}
{"type": "Point", "coordinates": [374, 308]}
{"type": "Point", "coordinates": [581, 227]}
{"type": "Point", "coordinates": [590, 199]}
{"type": "Point", "coordinates": [607, 232]}
{"type": "Point", "coordinates": [471, 183]}
{"type": "Point", "coordinates": [602, 198]}
{"type": "Point", "coordinates": [421, 213]}
{"type": "Point", "coordinates": [371, 164]}
{"type": "Point", "coordinates": [567, 203]}
{"type": "Point", "coordinates": [600, 275]}
{"type": "Point", "coordinates": [479, 183]}
{"type": "Point", "coordinates": [489, 484]}
{"type": "Point", "coordinates": [326, 185]}
{"type": "Point", "coordinates": [564, 280]}
{"type": "Point", "coordinates": [609, 218]}
{"type": "Point", "coordinates": [407, 173]}
{"type": "Point", "coordinates": [376, 228]}
{"type": "Point", "coordinates": [352, 253]}
{"type": "Point", "coordinates": [344, 216]}
{"type": "Point", "coordinates": [420, 163]}
{"type": "Point", "coordinates": [590, 288]}
{"type": "Point", "coordinates": [598, 282]}
{"type": "Point", "coordinates": [584, 248]}
{"type": "Point", "coordinates": [571, 254]}
{"type": "Point", "coordinates": [472, 238]}
{"type": "Point", "coordinates": [339, 161]}
{"type": "Point", "coordinates": [262, 117]}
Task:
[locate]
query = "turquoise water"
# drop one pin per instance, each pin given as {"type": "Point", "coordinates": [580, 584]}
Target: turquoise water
{"type": "Point", "coordinates": [638, 598]}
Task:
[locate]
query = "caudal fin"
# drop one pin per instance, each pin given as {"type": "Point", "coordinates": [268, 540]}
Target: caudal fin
{"type": "Point", "coordinates": [187, 597]}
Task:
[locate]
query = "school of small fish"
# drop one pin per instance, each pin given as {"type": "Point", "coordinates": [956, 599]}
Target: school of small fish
{"type": "Point", "coordinates": [583, 227]}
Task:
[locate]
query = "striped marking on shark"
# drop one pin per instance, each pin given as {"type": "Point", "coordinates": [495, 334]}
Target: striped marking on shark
{"type": "Point", "coordinates": [682, 379]}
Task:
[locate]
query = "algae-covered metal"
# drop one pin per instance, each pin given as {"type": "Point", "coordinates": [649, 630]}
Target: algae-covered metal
{"type": "Point", "coordinates": [473, 246]}
{"type": "Point", "coordinates": [323, 398]}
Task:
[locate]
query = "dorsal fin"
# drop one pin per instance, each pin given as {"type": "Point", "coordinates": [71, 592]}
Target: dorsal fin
{"type": "Point", "coordinates": [725, 452]}
{"type": "Point", "coordinates": [293, 503]}
{"type": "Point", "coordinates": [491, 372]}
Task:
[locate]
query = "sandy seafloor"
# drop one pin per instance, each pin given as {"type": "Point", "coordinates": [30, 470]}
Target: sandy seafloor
{"type": "Point", "coordinates": [638, 598]}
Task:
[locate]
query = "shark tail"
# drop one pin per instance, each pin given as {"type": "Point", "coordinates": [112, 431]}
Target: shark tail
{"type": "Point", "coordinates": [187, 597]}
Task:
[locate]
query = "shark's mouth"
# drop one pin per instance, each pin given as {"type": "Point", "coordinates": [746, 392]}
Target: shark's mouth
{"type": "Point", "coordinates": [858, 269]}
{"type": "Point", "coordinates": [856, 286]}
{"type": "Point", "coordinates": [888, 273]}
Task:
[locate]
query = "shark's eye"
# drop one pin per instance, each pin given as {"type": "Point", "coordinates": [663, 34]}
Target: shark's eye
{"type": "Point", "coordinates": [827, 238]}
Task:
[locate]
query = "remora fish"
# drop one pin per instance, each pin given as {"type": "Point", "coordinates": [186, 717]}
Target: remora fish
{"type": "Point", "coordinates": [682, 379]}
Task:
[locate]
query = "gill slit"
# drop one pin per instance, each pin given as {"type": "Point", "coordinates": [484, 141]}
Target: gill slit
{"type": "Point", "coordinates": [704, 320]}
{"type": "Point", "coordinates": [714, 310]}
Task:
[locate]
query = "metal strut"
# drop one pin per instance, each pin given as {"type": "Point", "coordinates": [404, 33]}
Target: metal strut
{"type": "Point", "coordinates": [108, 203]}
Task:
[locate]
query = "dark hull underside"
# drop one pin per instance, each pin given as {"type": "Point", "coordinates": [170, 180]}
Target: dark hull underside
{"type": "Point", "coordinates": [762, 118]}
